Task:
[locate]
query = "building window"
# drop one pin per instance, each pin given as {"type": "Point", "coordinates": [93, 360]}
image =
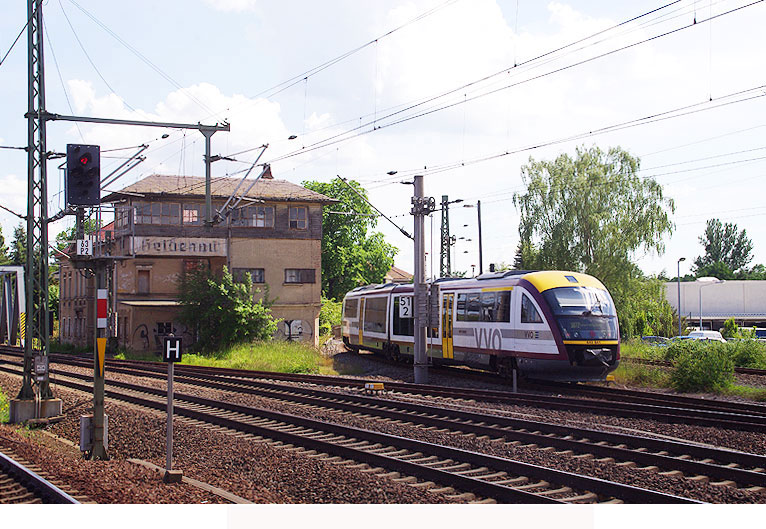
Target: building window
{"type": "Point", "coordinates": [167, 213]}
{"type": "Point", "coordinates": [123, 216]}
{"type": "Point", "coordinates": [264, 216]}
{"type": "Point", "coordinates": [299, 218]}
{"type": "Point", "coordinates": [300, 275]}
{"type": "Point", "coordinates": [164, 327]}
{"type": "Point", "coordinates": [255, 216]}
{"type": "Point", "coordinates": [143, 281]}
{"type": "Point", "coordinates": [257, 274]}
{"type": "Point", "coordinates": [171, 214]}
{"type": "Point", "coordinates": [192, 214]}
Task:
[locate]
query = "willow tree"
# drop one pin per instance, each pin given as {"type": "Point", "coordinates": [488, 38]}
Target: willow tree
{"type": "Point", "coordinates": [592, 213]}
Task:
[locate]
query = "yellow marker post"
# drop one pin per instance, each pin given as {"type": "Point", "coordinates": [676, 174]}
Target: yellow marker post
{"type": "Point", "coordinates": [101, 345]}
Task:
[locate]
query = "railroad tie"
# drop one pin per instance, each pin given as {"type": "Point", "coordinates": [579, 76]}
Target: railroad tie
{"type": "Point", "coordinates": [588, 497]}
{"type": "Point", "coordinates": [538, 485]}
{"type": "Point", "coordinates": [724, 483]}
{"type": "Point", "coordinates": [552, 492]}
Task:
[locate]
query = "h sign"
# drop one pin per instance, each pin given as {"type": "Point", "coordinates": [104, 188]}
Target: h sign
{"type": "Point", "coordinates": [172, 349]}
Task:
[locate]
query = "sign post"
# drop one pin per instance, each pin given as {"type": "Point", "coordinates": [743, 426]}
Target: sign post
{"type": "Point", "coordinates": [171, 354]}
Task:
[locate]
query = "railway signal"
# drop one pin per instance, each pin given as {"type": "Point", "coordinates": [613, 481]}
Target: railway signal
{"type": "Point", "coordinates": [171, 353]}
{"type": "Point", "coordinates": [83, 181]}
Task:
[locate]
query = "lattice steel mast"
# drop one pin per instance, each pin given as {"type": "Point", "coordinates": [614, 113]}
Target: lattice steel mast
{"type": "Point", "coordinates": [37, 328]}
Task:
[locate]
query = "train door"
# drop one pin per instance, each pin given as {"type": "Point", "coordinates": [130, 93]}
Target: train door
{"type": "Point", "coordinates": [448, 307]}
{"type": "Point", "coordinates": [361, 320]}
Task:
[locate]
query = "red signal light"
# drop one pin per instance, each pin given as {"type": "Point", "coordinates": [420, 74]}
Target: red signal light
{"type": "Point", "coordinates": [84, 160]}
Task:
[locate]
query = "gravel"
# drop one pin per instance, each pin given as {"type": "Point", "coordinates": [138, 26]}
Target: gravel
{"type": "Point", "coordinates": [266, 474]}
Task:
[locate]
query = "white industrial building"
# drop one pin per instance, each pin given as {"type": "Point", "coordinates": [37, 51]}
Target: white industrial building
{"type": "Point", "coordinates": [745, 301]}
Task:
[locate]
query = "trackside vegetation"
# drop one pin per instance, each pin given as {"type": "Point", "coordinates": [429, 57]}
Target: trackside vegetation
{"type": "Point", "coordinates": [274, 356]}
{"type": "Point", "coordinates": [222, 311]}
{"type": "Point", "coordinates": [5, 409]}
{"type": "Point", "coordinates": [695, 366]}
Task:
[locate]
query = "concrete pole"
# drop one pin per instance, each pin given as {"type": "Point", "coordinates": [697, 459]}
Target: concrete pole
{"type": "Point", "coordinates": [678, 276]}
{"type": "Point", "coordinates": [208, 133]}
{"type": "Point", "coordinates": [421, 360]}
{"type": "Point", "coordinates": [481, 261]}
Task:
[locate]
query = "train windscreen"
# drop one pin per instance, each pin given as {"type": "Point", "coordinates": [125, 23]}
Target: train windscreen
{"type": "Point", "coordinates": [583, 313]}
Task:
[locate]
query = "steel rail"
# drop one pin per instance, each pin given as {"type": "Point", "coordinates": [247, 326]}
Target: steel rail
{"type": "Point", "coordinates": [510, 428]}
{"type": "Point", "coordinates": [42, 488]}
{"type": "Point", "coordinates": [598, 486]}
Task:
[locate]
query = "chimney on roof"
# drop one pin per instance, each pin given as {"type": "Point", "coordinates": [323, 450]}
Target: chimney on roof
{"type": "Point", "coordinates": [268, 174]}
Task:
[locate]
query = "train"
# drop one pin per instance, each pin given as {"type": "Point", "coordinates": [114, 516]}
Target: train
{"type": "Point", "coordinates": [545, 325]}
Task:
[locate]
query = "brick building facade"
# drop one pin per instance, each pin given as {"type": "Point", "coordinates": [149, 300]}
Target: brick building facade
{"type": "Point", "coordinates": [275, 234]}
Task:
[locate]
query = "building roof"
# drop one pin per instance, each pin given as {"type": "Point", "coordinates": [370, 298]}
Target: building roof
{"type": "Point", "coordinates": [397, 275]}
{"type": "Point", "coordinates": [194, 186]}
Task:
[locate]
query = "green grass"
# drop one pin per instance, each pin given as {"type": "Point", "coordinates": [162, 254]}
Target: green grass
{"type": "Point", "coordinates": [641, 375]}
{"type": "Point", "coordinates": [5, 410]}
{"type": "Point", "coordinates": [276, 356]}
{"type": "Point", "coordinates": [746, 392]}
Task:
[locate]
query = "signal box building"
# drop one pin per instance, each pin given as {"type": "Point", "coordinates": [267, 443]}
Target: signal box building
{"type": "Point", "coordinates": [159, 234]}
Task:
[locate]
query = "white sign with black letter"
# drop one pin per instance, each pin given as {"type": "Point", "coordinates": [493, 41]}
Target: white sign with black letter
{"type": "Point", "coordinates": [172, 350]}
{"type": "Point", "coordinates": [405, 307]}
{"type": "Point", "coordinates": [84, 247]}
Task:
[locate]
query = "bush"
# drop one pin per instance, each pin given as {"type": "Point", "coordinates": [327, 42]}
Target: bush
{"type": "Point", "coordinates": [676, 348]}
{"type": "Point", "coordinates": [329, 315]}
{"type": "Point", "coordinates": [223, 311]}
{"type": "Point", "coordinates": [748, 353]}
{"type": "Point", "coordinates": [702, 367]}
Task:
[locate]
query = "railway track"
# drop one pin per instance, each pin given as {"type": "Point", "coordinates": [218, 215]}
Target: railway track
{"type": "Point", "coordinates": [729, 467]}
{"type": "Point", "coordinates": [598, 400]}
{"type": "Point", "coordinates": [452, 471]}
{"type": "Point", "coordinates": [19, 484]}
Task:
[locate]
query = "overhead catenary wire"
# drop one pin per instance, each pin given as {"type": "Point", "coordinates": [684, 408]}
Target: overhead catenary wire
{"type": "Point", "coordinates": [87, 56]}
{"type": "Point", "coordinates": [357, 131]}
{"type": "Point", "coordinates": [15, 41]}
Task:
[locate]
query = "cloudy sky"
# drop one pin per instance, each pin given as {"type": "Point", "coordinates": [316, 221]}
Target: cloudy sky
{"type": "Point", "coordinates": [461, 91]}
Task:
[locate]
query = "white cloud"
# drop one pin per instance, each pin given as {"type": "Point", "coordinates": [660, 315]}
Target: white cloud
{"type": "Point", "coordinates": [232, 5]}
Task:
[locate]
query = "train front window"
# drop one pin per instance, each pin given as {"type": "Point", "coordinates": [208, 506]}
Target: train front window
{"type": "Point", "coordinates": [583, 313]}
{"type": "Point", "coordinates": [579, 301]}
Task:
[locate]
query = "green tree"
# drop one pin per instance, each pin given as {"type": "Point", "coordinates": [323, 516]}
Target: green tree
{"type": "Point", "coordinates": [4, 258]}
{"type": "Point", "coordinates": [222, 311]}
{"type": "Point", "coordinates": [723, 244]}
{"type": "Point", "coordinates": [642, 308]}
{"type": "Point", "coordinates": [18, 253]}
{"type": "Point", "coordinates": [350, 256]}
{"type": "Point", "coordinates": [591, 213]}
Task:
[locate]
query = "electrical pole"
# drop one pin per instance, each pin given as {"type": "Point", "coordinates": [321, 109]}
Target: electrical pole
{"type": "Point", "coordinates": [36, 324]}
{"type": "Point", "coordinates": [421, 206]}
{"type": "Point", "coordinates": [481, 261]}
{"type": "Point", "coordinates": [445, 269]}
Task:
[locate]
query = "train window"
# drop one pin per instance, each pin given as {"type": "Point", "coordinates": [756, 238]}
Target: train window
{"type": "Point", "coordinates": [488, 309]}
{"type": "Point", "coordinates": [529, 313]}
{"type": "Point", "coordinates": [402, 326]}
{"type": "Point", "coordinates": [473, 307]}
{"type": "Point", "coordinates": [375, 314]}
{"type": "Point", "coordinates": [460, 307]}
{"type": "Point", "coordinates": [350, 308]}
{"type": "Point", "coordinates": [503, 312]}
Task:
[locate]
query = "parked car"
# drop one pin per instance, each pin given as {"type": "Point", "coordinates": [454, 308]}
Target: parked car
{"type": "Point", "coordinates": [657, 341]}
{"type": "Point", "coordinates": [714, 336]}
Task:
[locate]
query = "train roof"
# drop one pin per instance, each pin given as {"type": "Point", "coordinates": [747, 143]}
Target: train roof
{"type": "Point", "coordinates": [542, 280]}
